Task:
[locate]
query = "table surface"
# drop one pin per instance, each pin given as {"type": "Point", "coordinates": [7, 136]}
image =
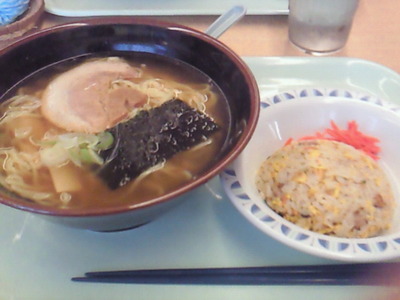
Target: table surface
{"type": "Point", "coordinates": [375, 34]}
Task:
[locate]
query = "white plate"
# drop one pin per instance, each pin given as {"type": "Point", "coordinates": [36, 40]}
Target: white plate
{"type": "Point", "coordinates": [296, 113]}
{"type": "Point", "coordinates": [37, 259]}
{"type": "Point", "coordinates": [77, 8]}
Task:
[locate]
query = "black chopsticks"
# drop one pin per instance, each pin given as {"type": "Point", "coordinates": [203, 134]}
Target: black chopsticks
{"type": "Point", "coordinates": [330, 274]}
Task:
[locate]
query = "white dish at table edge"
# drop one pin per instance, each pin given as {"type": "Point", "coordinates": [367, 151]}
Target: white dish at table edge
{"type": "Point", "coordinates": [238, 179]}
{"type": "Point", "coordinates": [81, 8]}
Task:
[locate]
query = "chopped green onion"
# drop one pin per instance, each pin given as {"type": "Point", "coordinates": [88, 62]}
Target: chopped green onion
{"type": "Point", "coordinates": [106, 140]}
{"type": "Point", "coordinates": [53, 156]}
{"type": "Point", "coordinates": [89, 156]}
{"type": "Point", "coordinates": [79, 148]}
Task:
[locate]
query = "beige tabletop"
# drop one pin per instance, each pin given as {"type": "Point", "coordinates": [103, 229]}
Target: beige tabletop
{"type": "Point", "coordinates": [375, 34]}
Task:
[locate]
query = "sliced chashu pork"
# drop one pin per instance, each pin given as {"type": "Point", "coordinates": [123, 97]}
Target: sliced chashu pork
{"type": "Point", "coordinates": [82, 100]}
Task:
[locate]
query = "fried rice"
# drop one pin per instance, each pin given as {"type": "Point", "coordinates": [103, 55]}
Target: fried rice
{"type": "Point", "coordinates": [327, 187]}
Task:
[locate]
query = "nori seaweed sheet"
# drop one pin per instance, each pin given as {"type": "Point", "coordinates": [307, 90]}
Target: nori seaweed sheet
{"type": "Point", "coordinates": [152, 137]}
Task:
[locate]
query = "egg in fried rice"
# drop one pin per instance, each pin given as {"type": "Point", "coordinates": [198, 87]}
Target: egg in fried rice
{"type": "Point", "coordinates": [327, 187]}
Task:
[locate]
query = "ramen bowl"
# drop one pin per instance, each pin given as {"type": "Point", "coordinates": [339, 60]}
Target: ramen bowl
{"type": "Point", "coordinates": [295, 114]}
{"type": "Point", "coordinates": [121, 37]}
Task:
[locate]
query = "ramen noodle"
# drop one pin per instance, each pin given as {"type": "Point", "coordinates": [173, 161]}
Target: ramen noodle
{"type": "Point", "coordinates": [64, 125]}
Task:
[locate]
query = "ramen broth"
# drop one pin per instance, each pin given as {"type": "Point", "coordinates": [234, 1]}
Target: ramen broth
{"type": "Point", "coordinates": [94, 193]}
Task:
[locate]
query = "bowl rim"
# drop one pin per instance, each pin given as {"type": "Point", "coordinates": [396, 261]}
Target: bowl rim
{"type": "Point", "coordinates": [212, 172]}
{"type": "Point", "coordinates": [25, 23]}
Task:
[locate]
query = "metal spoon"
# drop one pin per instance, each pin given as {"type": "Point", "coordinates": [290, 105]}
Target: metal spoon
{"type": "Point", "coordinates": [216, 29]}
{"type": "Point", "coordinates": [226, 20]}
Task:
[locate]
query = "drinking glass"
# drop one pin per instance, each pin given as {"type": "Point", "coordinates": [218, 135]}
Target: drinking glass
{"type": "Point", "coordinates": [320, 26]}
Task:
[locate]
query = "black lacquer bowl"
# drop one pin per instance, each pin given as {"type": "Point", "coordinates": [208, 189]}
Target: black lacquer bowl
{"type": "Point", "coordinates": [119, 36]}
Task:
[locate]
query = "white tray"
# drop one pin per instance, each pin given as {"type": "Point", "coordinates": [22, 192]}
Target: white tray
{"type": "Point", "coordinates": [78, 8]}
{"type": "Point", "coordinates": [37, 258]}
